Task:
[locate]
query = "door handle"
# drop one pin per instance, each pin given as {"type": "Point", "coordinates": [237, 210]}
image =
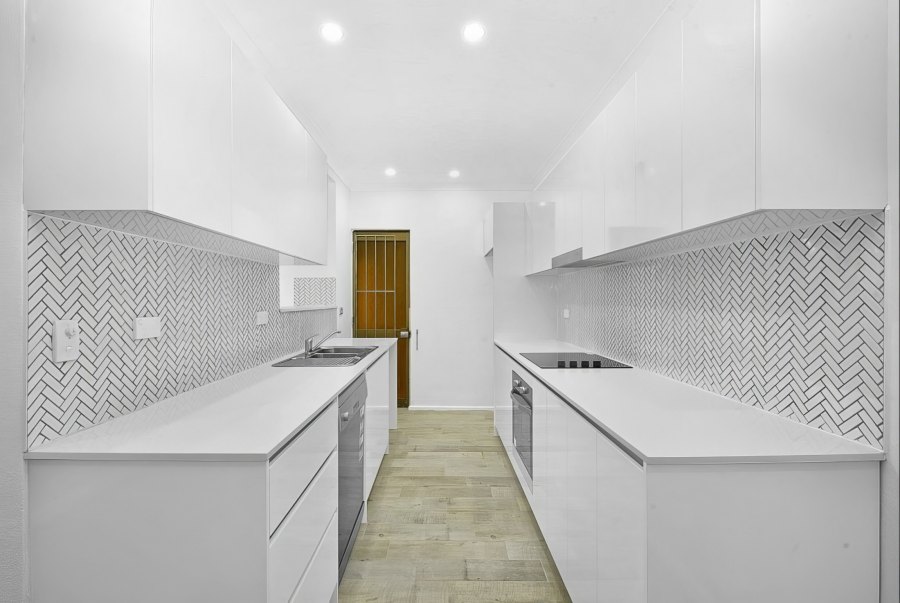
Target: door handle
{"type": "Point", "coordinates": [417, 339]}
{"type": "Point", "coordinates": [404, 334]}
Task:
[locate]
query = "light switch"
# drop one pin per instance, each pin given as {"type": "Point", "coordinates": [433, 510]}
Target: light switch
{"type": "Point", "coordinates": [262, 318]}
{"type": "Point", "coordinates": [146, 327]}
{"type": "Point", "coordinates": [565, 313]}
{"type": "Point", "coordinates": [66, 340]}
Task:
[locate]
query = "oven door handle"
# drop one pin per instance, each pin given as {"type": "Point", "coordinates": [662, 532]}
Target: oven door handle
{"type": "Point", "coordinates": [519, 399]}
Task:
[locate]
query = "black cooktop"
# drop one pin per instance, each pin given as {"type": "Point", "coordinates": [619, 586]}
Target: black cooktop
{"type": "Point", "coordinates": [575, 360]}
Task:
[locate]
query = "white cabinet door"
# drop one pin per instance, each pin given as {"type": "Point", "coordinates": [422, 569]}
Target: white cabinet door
{"type": "Point", "coordinates": [309, 235]}
{"type": "Point", "coordinates": [540, 218]}
{"type": "Point", "coordinates": [378, 383]}
{"type": "Point", "coordinates": [503, 367]}
{"type": "Point", "coordinates": [557, 506]}
{"type": "Point", "coordinates": [540, 460]}
{"type": "Point", "coordinates": [593, 197]}
{"type": "Point", "coordinates": [658, 138]}
{"type": "Point", "coordinates": [822, 91]}
{"type": "Point", "coordinates": [487, 231]}
{"type": "Point", "coordinates": [269, 161]}
{"type": "Point", "coordinates": [191, 115]}
{"type": "Point", "coordinates": [86, 105]}
{"type": "Point", "coordinates": [562, 190]}
{"type": "Point", "coordinates": [580, 573]}
{"type": "Point", "coordinates": [621, 525]}
{"type": "Point", "coordinates": [719, 111]}
{"type": "Point", "coordinates": [619, 169]}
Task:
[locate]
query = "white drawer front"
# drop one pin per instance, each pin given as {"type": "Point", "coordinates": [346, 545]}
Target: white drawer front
{"type": "Point", "coordinates": [295, 542]}
{"type": "Point", "coordinates": [290, 472]}
{"type": "Point", "coordinates": [321, 579]}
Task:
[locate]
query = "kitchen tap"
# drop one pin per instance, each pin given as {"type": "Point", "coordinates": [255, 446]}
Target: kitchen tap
{"type": "Point", "coordinates": [312, 348]}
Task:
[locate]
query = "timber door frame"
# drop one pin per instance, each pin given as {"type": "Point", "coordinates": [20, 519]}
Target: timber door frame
{"type": "Point", "coordinates": [386, 235]}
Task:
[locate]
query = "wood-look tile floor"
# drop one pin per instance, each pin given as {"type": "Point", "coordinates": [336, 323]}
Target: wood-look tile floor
{"type": "Point", "coordinates": [448, 522]}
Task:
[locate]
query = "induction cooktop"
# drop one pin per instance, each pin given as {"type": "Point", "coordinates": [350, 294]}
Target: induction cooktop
{"type": "Point", "coordinates": [572, 360]}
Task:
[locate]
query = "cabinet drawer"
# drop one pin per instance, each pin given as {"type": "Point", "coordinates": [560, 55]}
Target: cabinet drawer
{"type": "Point", "coordinates": [292, 469]}
{"type": "Point", "coordinates": [293, 545]}
{"type": "Point", "coordinates": [320, 581]}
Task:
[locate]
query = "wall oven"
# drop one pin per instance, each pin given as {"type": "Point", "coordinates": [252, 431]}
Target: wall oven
{"type": "Point", "coordinates": [523, 432]}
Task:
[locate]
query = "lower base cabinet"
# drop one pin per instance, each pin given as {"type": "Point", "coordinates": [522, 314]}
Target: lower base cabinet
{"type": "Point", "coordinates": [319, 583]}
{"type": "Point", "coordinates": [146, 531]}
{"type": "Point", "coordinates": [621, 531]}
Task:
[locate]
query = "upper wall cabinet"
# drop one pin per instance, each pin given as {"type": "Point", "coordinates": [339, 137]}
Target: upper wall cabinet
{"type": "Point", "coordinates": [86, 105]}
{"type": "Point", "coordinates": [138, 107]}
{"type": "Point", "coordinates": [191, 115]}
{"type": "Point", "coordinates": [719, 111]}
{"type": "Point", "coordinates": [822, 121]}
{"type": "Point", "coordinates": [657, 139]}
{"type": "Point", "coordinates": [487, 232]}
{"type": "Point", "coordinates": [733, 106]}
{"type": "Point", "coordinates": [621, 223]}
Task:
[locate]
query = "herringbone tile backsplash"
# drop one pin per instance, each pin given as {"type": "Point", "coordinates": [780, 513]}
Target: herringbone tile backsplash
{"type": "Point", "coordinates": [315, 291]}
{"type": "Point", "coordinates": [207, 302]}
{"type": "Point", "coordinates": [791, 323]}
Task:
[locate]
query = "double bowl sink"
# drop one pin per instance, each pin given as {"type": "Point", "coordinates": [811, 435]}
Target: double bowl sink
{"type": "Point", "coordinates": [332, 356]}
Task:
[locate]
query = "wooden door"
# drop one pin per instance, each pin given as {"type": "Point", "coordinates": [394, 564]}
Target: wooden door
{"type": "Point", "coordinates": [381, 294]}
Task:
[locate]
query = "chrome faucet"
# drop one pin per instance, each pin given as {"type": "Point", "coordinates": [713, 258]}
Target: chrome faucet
{"type": "Point", "coordinates": [311, 348]}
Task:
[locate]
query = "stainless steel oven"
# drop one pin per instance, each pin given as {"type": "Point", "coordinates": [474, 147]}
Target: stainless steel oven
{"type": "Point", "coordinates": [523, 431]}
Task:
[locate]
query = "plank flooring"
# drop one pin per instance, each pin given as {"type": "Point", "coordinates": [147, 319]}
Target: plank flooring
{"type": "Point", "coordinates": [448, 522]}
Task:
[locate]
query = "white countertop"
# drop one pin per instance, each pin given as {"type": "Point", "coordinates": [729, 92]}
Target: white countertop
{"type": "Point", "coordinates": [248, 416]}
{"type": "Point", "coordinates": [666, 422]}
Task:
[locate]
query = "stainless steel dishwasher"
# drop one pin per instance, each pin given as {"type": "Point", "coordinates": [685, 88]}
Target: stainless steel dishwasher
{"type": "Point", "coordinates": [351, 452]}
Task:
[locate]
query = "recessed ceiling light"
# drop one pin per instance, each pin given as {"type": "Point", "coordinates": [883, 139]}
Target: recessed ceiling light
{"type": "Point", "coordinates": [332, 32]}
{"type": "Point", "coordinates": [473, 32]}
{"type": "Point", "coordinates": [454, 173]}
{"type": "Point", "coordinates": [390, 172]}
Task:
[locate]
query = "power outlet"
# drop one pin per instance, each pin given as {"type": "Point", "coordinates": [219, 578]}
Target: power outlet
{"type": "Point", "coordinates": [566, 313]}
{"type": "Point", "coordinates": [147, 327]}
{"type": "Point", "coordinates": [66, 340]}
{"type": "Point", "coordinates": [262, 318]}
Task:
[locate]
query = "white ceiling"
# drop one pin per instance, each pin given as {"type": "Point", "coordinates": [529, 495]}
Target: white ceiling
{"type": "Point", "coordinates": [403, 89]}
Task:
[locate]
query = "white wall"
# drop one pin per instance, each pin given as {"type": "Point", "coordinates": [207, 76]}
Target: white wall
{"type": "Point", "coordinates": [450, 288]}
{"type": "Point", "coordinates": [12, 323]}
{"type": "Point", "coordinates": [890, 484]}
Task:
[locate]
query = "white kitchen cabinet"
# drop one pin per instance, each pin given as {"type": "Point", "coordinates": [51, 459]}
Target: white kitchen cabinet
{"type": "Point", "coordinates": [708, 530]}
{"type": "Point", "coordinates": [148, 107]}
{"type": "Point", "coordinates": [657, 147]}
{"type": "Point", "coordinates": [191, 115]}
{"type": "Point", "coordinates": [310, 236]}
{"type": "Point", "coordinates": [618, 168]}
{"type": "Point", "coordinates": [269, 161]}
{"type": "Point", "coordinates": [540, 230]}
{"type": "Point", "coordinates": [556, 529]}
{"type": "Point", "coordinates": [593, 198]}
{"type": "Point", "coordinates": [621, 525]}
{"type": "Point", "coordinates": [87, 142]}
{"type": "Point", "coordinates": [822, 121]}
{"type": "Point", "coordinates": [487, 232]}
{"type": "Point", "coordinates": [580, 569]}
{"type": "Point", "coordinates": [320, 581]}
{"type": "Point", "coordinates": [377, 411]}
{"type": "Point", "coordinates": [541, 469]}
{"type": "Point", "coordinates": [158, 529]}
{"type": "Point", "coordinates": [503, 367]}
{"type": "Point", "coordinates": [719, 114]}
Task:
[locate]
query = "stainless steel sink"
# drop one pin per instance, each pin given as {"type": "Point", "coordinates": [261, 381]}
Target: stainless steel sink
{"type": "Point", "coordinates": [361, 351]}
{"type": "Point", "coordinates": [336, 356]}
